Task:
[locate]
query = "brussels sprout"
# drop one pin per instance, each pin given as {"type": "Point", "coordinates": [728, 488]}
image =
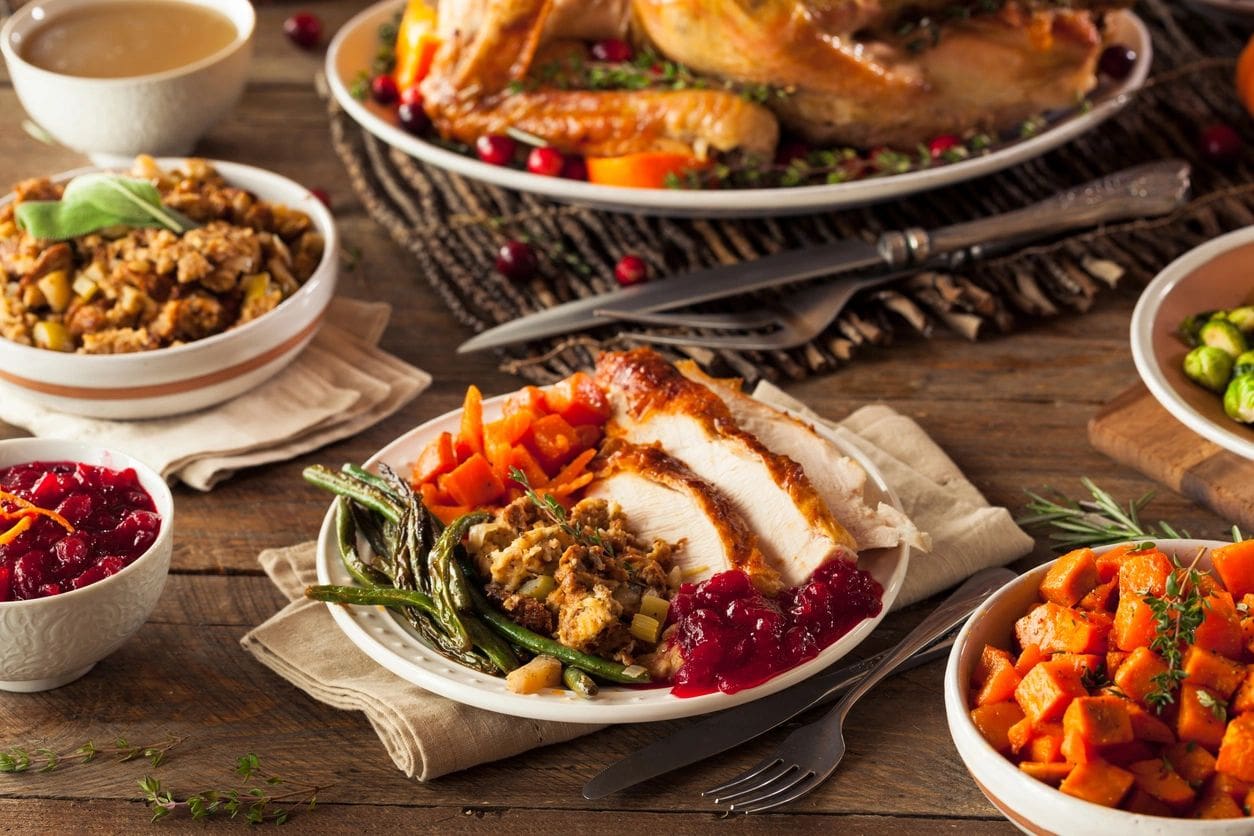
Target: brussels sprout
{"type": "Point", "coordinates": [1208, 366]}
{"type": "Point", "coordinates": [1220, 333]}
{"type": "Point", "coordinates": [1244, 364]}
{"type": "Point", "coordinates": [1239, 399]}
{"type": "Point", "coordinates": [1242, 317]}
{"type": "Point", "coordinates": [1191, 325]}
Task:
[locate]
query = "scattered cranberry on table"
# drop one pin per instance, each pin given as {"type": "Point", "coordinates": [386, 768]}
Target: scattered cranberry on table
{"type": "Point", "coordinates": [612, 51]}
{"type": "Point", "coordinates": [1220, 143]}
{"type": "Point", "coordinates": [383, 89]}
{"type": "Point", "coordinates": [516, 261]}
{"type": "Point", "coordinates": [575, 168]}
{"type": "Point", "coordinates": [303, 29]}
{"type": "Point", "coordinates": [545, 161]}
{"type": "Point", "coordinates": [631, 270]}
{"type": "Point", "coordinates": [1116, 62]}
{"type": "Point", "coordinates": [945, 142]}
{"type": "Point", "coordinates": [495, 149]}
{"type": "Point", "coordinates": [413, 118]}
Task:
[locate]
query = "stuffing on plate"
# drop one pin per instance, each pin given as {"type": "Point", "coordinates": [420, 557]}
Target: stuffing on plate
{"type": "Point", "coordinates": [127, 289]}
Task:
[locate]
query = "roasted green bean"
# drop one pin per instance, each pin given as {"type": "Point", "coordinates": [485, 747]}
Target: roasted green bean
{"type": "Point", "coordinates": [578, 681]}
{"type": "Point", "coordinates": [375, 596]}
{"type": "Point", "coordinates": [346, 541]}
{"type": "Point", "coordinates": [360, 492]}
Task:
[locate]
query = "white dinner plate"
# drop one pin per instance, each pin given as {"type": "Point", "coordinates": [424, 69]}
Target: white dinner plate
{"type": "Point", "coordinates": [384, 637]}
{"type": "Point", "coordinates": [355, 45]}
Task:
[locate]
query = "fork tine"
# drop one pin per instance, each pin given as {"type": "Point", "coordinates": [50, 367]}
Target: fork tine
{"type": "Point", "coordinates": [757, 784]}
{"type": "Point", "coordinates": [753, 771]}
{"type": "Point", "coordinates": [791, 794]}
{"type": "Point", "coordinates": [718, 321]}
{"type": "Point", "coordinates": [770, 790]}
{"type": "Point", "coordinates": [745, 342]}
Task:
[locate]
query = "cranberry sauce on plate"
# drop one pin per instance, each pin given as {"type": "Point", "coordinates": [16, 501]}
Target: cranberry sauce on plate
{"type": "Point", "coordinates": [64, 525]}
{"type": "Point", "coordinates": [733, 637]}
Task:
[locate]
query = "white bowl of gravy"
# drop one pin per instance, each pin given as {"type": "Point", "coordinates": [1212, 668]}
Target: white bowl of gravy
{"type": "Point", "coordinates": [117, 78]}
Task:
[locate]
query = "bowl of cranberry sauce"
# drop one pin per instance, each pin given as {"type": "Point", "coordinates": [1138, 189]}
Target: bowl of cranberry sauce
{"type": "Point", "coordinates": [85, 544]}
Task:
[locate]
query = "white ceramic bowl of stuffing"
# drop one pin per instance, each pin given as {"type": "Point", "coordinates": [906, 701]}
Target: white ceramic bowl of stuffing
{"type": "Point", "coordinates": [161, 113]}
{"type": "Point", "coordinates": [197, 374]}
{"type": "Point", "coordinates": [1031, 805]}
{"type": "Point", "coordinates": [48, 642]}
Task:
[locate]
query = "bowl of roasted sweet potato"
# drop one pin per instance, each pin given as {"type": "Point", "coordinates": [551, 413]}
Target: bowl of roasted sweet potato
{"type": "Point", "coordinates": [1112, 690]}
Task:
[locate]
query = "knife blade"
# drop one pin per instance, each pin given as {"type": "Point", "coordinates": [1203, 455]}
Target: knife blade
{"type": "Point", "coordinates": [1142, 191]}
{"type": "Point", "coordinates": [728, 729]}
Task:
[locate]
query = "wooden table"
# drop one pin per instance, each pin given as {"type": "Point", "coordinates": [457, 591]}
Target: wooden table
{"type": "Point", "coordinates": [1010, 410]}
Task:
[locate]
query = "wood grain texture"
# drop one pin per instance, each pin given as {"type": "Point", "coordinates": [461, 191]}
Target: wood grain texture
{"type": "Point", "coordinates": [1137, 430]}
{"type": "Point", "coordinates": [1011, 411]}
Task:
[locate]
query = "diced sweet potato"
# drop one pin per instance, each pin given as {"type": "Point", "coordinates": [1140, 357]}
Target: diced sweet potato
{"type": "Point", "coordinates": [1134, 623]}
{"type": "Point", "coordinates": [1028, 659]}
{"type": "Point", "coordinates": [1139, 801]}
{"type": "Point", "coordinates": [1100, 721]}
{"type": "Point", "coordinates": [1098, 782]}
{"type": "Point", "coordinates": [1236, 752]}
{"type": "Point", "coordinates": [1217, 805]}
{"type": "Point", "coordinates": [1194, 763]}
{"type": "Point", "coordinates": [1235, 565]}
{"type": "Point", "coordinates": [1051, 773]}
{"type": "Point", "coordinates": [1122, 754]}
{"type": "Point", "coordinates": [1217, 674]}
{"type": "Point", "coordinates": [578, 400]}
{"type": "Point", "coordinates": [1243, 700]}
{"type": "Point", "coordinates": [1076, 749]}
{"type": "Point", "coordinates": [1101, 597]}
{"type": "Point", "coordinates": [1230, 784]}
{"type": "Point", "coordinates": [1019, 735]}
{"type": "Point", "coordinates": [1056, 629]}
{"type": "Point", "coordinates": [1144, 573]}
{"type": "Point", "coordinates": [1135, 676]}
{"type": "Point", "coordinates": [1148, 727]}
{"type": "Point", "coordinates": [1046, 743]}
{"type": "Point", "coordinates": [1220, 629]}
{"type": "Point", "coordinates": [994, 677]}
{"type": "Point", "coordinates": [1114, 659]}
{"type": "Point", "coordinates": [1070, 578]}
{"type": "Point", "coordinates": [994, 723]}
{"type": "Point", "coordinates": [553, 442]}
{"type": "Point", "coordinates": [1082, 662]}
{"type": "Point", "coordinates": [1047, 689]}
{"type": "Point", "coordinates": [1164, 783]}
{"type": "Point", "coordinates": [1109, 562]}
{"type": "Point", "coordinates": [1247, 632]}
{"type": "Point", "coordinates": [1197, 721]}
{"type": "Point", "coordinates": [436, 459]}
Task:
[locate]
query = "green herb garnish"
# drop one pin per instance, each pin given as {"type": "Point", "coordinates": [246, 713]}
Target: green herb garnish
{"type": "Point", "coordinates": [1177, 615]}
{"type": "Point", "coordinates": [1096, 522]}
{"type": "Point", "coordinates": [553, 509]}
{"type": "Point", "coordinates": [97, 201]}
{"type": "Point", "coordinates": [44, 759]}
{"type": "Point", "coordinates": [1218, 708]}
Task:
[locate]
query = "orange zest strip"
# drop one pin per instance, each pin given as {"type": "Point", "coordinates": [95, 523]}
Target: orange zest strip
{"type": "Point", "coordinates": [32, 508]}
{"type": "Point", "coordinates": [13, 533]}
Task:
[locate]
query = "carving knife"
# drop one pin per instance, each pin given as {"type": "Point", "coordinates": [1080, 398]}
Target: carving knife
{"type": "Point", "coordinates": [728, 729]}
{"type": "Point", "coordinates": [1143, 191]}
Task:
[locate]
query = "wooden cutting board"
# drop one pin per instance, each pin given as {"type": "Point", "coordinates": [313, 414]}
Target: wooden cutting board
{"type": "Point", "coordinates": [1134, 429]}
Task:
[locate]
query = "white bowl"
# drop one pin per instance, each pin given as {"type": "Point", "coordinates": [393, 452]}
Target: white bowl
{"type": "Point", "coordinates": [1031, 805]}
{"type": "Point", "coordinates": [48, 642]}
{"type": "Point", "coordinates": [161, 113]}
{"type": "Point", "coordinates": [1215, 275]}
{"type": "Point", "coordinates": [169, 381]}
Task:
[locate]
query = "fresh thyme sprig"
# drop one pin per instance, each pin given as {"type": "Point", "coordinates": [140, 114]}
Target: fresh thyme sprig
{"type": "Point", "coordinates": [1096, 522]}
{"type": "Point", "coordinates": [266, 797]}
{"type": "Point", "coordinates": [43, 759]}
{"type": "Point", "coordinates": [1177, 615]}
{"type": "Point", "coordinates": [551, 508]}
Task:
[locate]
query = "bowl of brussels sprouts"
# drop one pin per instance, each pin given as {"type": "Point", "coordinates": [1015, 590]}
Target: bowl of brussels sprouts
{"type": "Point", "coordinates": [1193, 340]}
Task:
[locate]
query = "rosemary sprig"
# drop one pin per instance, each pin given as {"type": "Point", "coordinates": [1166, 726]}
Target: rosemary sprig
{"type": "Point", "coordinates": [266, 797]}
{"type": "Point", "coordinates": [1177, 615]}
{"type": "Point", "coordinates": [551, 508]}
{"type": "Point", "coordinates": [43, 759]}
{"type": "Point", "coordinates": [1096, 522]}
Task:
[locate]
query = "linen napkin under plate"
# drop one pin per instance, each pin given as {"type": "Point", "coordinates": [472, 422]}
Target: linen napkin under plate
{"type": "Point", "coordinates": [340, 384]}
{"type": "Point", "coordinates": [427, 735]}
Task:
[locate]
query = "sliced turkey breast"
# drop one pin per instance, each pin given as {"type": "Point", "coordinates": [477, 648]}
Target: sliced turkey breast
{"type": "Point", "coordinates": [664, 500]}
{"type": "Point", "coordinates": [654, 404]}
{"type": "Point", "coordinates": [839, 479]}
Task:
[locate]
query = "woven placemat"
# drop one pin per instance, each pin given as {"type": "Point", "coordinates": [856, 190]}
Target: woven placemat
{"type": "Point", "coordinates": [454, 226]}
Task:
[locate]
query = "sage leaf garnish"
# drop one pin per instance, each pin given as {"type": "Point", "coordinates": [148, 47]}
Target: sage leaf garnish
{"type": "Point", "coordinates": [96, 201]}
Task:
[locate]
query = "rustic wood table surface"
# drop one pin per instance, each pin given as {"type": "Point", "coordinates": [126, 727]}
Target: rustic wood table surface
{"type": "Point", "coordinates": [1011, 410]}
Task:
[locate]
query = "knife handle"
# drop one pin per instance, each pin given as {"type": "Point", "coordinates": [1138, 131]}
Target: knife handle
{"type": "Point", "coordinates": [1142, 191]}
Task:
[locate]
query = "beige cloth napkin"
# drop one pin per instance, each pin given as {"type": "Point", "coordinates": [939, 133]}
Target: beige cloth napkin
{"type": "Point", "coordinates": [428, 735]}
{"type": "Point", "coordinates": [340, 384]}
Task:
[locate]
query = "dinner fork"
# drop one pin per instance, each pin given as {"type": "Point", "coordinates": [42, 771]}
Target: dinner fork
{"type": "Point", "coordinates": [811, 753]}
{"type": "Point", "coordinates": [794, 320]}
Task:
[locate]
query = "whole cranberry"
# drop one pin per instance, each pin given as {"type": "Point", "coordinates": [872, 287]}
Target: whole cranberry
{"type": "Point", "coordinates": [303, 29]}
{"type": "Point", "coordinates": [495, 149]}
{"type": "Point", "coordinates": [791, 151]}
{"type": "Point", "coordinates": [1220, 143]}
{"type": "Point", "coordinates": [383, 89]}
{"type": "Point", "coordinates": [413, 118]}
{"type": "Point", "coordinates": [516, 261]}
{"type": "Point", "coordinates": [575, 169]}
{"type": "Point", "coordinates": [937, 147]}
{"type": "Point", "coordinates": [323, 197]}
{"type": "Point", "coordinates": [1116, 62]}
{"type": "Point", "coordinates": [546, 161]}
{"type": "Point", "coordinates": [612, 50]}
{"type": "Point", "coordinates": [631, 270]}
{"type": "Point", "coordinates": [412, 96]}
